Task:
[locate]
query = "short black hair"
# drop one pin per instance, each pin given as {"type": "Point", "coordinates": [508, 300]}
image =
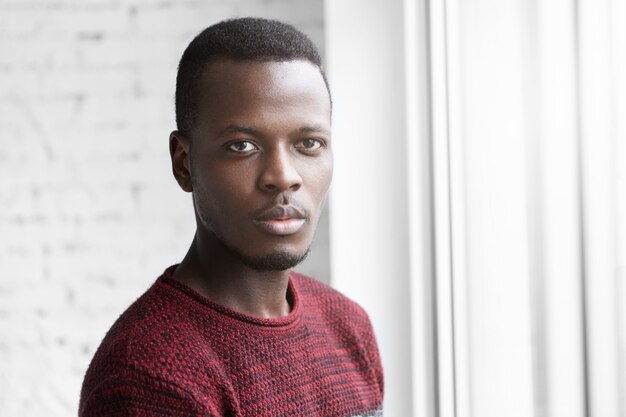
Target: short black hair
{"type": "Point", "coordinates": [245, 39]}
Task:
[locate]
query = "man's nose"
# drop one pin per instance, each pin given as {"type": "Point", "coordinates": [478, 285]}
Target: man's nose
{"type": "Point", "coordinates": [279, 172]}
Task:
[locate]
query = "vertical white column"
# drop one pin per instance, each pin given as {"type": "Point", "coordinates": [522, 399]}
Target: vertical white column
{"type": "Point", "coordinates": [618, 54]}
{"type": "Point", "coordinates": [419, 112]}
{"type": "Point", "coordinates": [369, 197]}
{"type": "Point", "coordinates": [488, 208]}
{"type": "Point", "coordinates": [599, 188]}
{"type": "Point", "coordinates": [443, 237]}
{"type": "Point", "coordinates": [555, 212]}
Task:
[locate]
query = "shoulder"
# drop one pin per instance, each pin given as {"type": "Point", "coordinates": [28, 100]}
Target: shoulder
{"type": "Point", "coordinates": [316, 292]}
{"type": "Point", "coordinates": [321, 300]}
{"type": "Point", "coordinates": [154, 347]}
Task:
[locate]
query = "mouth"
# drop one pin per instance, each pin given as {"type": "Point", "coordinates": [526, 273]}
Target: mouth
{"type": "Point", "coordinates": [281, 220]}
{"type": "Point", "coordinates": [281, 227]}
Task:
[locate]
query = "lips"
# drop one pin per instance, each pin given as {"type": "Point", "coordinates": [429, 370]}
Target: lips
{"type": "Point", "coordinates": [281, 220]}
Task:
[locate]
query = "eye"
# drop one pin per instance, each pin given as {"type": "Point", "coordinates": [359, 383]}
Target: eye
{"type": "Point", "coordinates": [242, 146]}
{"type": "Point", "coordinates": [310, 144]}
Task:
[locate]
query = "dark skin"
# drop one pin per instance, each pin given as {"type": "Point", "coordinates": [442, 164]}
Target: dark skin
{"type": "Point", "coordinates": [259, 164]}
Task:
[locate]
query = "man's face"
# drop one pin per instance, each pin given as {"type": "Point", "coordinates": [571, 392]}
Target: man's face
{"type": "Point", "coordinates": [260, 159]}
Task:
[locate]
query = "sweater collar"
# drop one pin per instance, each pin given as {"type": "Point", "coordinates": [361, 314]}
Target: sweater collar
{"type": "Point", "coordinates": [286, 321]}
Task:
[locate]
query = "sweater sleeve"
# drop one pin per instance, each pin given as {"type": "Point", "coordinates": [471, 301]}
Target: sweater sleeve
{"type": "Point", "coordinates": [132, 394]}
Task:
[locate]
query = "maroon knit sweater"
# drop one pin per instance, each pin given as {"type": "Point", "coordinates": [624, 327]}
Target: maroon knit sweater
{"type": "Point", "coordinates": [175, 353]}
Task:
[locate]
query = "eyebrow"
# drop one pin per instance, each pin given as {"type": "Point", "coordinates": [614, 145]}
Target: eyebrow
{"type": "Point", "coordinates": [232, 128]}
{"type": "Point", "coordinates": [314, 129]}
{"type": "Point", "coordinates": [235, 128]}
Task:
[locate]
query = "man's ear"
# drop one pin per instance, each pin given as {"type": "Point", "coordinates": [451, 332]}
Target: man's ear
{"type": "Point", "coordinates": [179, 152]}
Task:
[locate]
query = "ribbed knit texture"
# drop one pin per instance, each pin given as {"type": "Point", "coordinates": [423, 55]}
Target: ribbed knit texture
{"type": "Point", "coordinates": [175, 353]}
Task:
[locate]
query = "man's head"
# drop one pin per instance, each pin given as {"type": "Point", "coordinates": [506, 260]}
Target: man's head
{"type": "Point", "coordinates": [253, 140]}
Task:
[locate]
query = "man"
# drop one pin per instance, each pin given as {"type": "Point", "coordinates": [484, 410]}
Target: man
{"type": "Point", "coordinates": [231, 330]}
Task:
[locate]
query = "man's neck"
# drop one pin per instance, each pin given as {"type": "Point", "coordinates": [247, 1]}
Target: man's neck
{"type": "Point", "coordinates": [220, 276]}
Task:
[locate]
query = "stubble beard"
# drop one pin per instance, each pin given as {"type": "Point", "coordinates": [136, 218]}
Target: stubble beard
{"type": "Point", "coordinates": [275, 261]}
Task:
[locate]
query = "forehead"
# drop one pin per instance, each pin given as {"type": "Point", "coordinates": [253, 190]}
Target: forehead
{"type": "Point", "coordinates": [241, 88]}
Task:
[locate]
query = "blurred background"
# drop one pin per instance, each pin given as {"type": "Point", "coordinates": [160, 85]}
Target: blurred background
{"type": "Point", "coordinates": [478, 210]}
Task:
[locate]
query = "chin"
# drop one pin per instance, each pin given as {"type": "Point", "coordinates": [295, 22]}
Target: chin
{"type": "Point", "coordinates": [276, 261]}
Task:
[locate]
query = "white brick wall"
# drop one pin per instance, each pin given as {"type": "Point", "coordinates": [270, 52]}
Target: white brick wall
{"type": "Point", "coordinates": [89, 212]}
